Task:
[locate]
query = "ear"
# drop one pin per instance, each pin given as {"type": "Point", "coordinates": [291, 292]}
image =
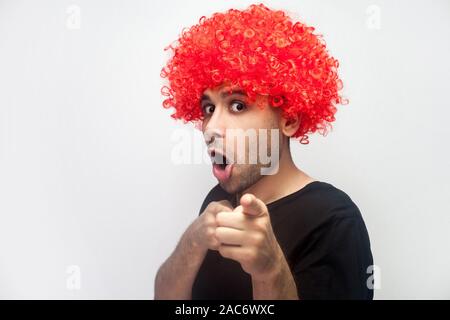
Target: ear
{"type": "Point", "coordinates": [289, 126]}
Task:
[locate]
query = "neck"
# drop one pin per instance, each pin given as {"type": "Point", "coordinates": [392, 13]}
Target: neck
{"type": "Point", "coordinates": [287, 180]}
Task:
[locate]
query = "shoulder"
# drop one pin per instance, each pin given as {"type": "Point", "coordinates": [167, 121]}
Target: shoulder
{"type": "Point", "coordinates": [215, 194]}
{"type": "Point", "coordinates": [318, 205]}
{"type": "Point", "coordinates": [329, 246]}
{"type": "Point", "coordinates": [339, 199]}
{"type": "Point", "coordinates": [336, 220]}
{"type": "Point", "coordinates": [331, 202]}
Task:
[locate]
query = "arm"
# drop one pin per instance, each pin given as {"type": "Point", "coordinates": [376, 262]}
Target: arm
{"type": "Point", "coordinates": [279, 285]}
{"type": "Point", "coordinates": [176, 275]}
{"type": "Point", "coordinates": [336, 268]}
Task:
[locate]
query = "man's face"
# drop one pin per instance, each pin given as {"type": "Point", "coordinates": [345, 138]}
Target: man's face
{"type": "Point", "coordinates": [229, 120]}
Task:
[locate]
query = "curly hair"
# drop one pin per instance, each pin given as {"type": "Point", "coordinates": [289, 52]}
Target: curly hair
{"type": "Point", "coordinates": [263, 52]}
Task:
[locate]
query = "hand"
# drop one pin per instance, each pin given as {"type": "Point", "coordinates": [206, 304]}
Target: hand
{"type": "Point", "coordinates": [203, 228]}
{"type": "Point", "coordinates": [246, 236]}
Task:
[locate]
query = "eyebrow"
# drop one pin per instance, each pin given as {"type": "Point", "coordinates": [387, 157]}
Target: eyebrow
{"type": "Point", "coordinates": [224, 94]}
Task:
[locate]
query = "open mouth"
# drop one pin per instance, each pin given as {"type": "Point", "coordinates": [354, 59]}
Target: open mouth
{"type": "Point", "coordinates": [222, 166]}
{"type": "Point", "coordinates": [219, 160]}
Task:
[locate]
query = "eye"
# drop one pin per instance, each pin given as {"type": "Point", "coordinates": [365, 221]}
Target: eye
{"type": "Point", "coordinates": [208, 109]}
{"type": "Point", "coordinates": [237, 106]}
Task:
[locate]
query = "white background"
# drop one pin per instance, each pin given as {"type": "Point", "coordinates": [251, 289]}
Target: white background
{"type": "Point", "coordinates": [86, 175]}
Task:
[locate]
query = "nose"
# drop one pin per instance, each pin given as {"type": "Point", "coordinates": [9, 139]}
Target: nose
{"type": "Point", "coordinates": [212, 135]}
{"type": "Point", "coordinates": [215, 127]}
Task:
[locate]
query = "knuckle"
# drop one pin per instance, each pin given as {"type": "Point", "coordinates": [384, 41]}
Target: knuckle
{"type": "Point", "coordinates": [263, 224]}
{"type": "Point", "coordinates": [212, 206]}
{"type": "Point", "coordinates": [220, 218]}
{"type": "Point", "coordinates": [213, 243]}
{"type": "Point", "coordinates": [209, 220]}
{"type": "Point", "coordinates": [223, 251]}
{"type": "Point", "coordinates": [258, 238]}
{"type": "Point", "coordinates": [225, 203]}
{"type": "Point", "coordinates": [210, 232]}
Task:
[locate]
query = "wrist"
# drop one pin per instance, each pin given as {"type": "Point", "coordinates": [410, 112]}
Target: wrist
{"type": "Point", "coordinates": [273, 272]}
{"type": "Point", "coordinates": [278, 283]}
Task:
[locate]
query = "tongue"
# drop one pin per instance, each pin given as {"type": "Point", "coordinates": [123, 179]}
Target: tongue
{"type": "Point", "coordinates": [222, 174]}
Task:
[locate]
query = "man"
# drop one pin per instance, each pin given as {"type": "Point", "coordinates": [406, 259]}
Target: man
{"type": "Point", "coordinates": [267, 230]}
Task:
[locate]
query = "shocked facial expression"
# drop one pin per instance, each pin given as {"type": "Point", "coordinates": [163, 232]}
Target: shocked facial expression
{"type": "Point", "coordinates": [236, 128]}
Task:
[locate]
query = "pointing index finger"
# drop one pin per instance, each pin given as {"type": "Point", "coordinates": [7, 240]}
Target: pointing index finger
{"type": "Point", "coordinates": [253, 206]}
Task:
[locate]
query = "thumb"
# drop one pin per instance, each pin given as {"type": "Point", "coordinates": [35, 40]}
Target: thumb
{"type": "Point", "coordinates": [252, 206]}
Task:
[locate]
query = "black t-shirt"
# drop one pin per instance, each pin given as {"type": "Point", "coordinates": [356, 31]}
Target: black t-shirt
{"type": "Point", "coordinates": [323, 237]}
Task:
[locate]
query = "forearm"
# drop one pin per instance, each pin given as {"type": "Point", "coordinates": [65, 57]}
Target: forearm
{"type": "Point", "coordinates": [280, 285]}
{"type": "Point", "coordinates": [176, 275]}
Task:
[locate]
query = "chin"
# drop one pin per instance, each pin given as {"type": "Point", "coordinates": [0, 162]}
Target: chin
{"type": "Point", "coordinates": [241, 179]}
{"type": "Point", "coordinates": [229, 187]}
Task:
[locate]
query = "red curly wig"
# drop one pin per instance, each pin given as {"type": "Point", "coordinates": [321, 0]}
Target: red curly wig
{"type": "Point", "coordinates": [263, 52]}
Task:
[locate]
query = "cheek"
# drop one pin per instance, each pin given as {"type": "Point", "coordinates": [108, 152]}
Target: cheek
{"type": "Point", "coordinates": [244, 148]}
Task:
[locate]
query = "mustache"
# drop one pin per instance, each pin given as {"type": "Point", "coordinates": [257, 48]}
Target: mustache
{"type": "Point", "coordinates": [220, 157]}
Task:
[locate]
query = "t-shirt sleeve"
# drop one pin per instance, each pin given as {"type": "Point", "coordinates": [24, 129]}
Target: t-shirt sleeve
{"type": "Point", "coordinates": [337, 268]}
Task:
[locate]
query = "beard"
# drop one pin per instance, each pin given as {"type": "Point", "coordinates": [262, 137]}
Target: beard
{"type": "Point", "coordinates": [243, 176]}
